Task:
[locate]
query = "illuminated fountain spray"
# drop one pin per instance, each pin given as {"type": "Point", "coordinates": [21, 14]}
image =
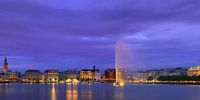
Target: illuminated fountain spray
{"type": "Point", "coordinates": [119, 67]}
{"type": "Point", "coordinates": [123, 61]}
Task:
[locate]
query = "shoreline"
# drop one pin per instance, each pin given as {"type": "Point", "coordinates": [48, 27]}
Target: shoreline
{"type": "Point", "coordinates": [172, 82]}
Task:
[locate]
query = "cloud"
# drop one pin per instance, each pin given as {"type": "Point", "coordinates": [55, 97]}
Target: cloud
{"type": "Point", "coordinates": [67, 32]}
{"type": "Point", "coordinates": [167, 44]}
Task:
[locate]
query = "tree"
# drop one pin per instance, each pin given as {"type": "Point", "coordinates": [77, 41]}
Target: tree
{"type": "Point", "coordinates": [149, 78]}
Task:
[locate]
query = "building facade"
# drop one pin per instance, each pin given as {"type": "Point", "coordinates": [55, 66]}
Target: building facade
{"type": "Point", "coordinates": [4, 77]}
{"type": "Point", "coordinates": [86, 74]}
{"type": "Point", "coordinates": [96, 74]}
{"type": "Point", "coordinates": [33, 76]}
{"type": "Point", "coordinates": [14, 76]}
{"type": "Point", "coordinates": [140, 76]}
{"type": "Point", "coordinates": [194, 71]}
{"type": "Point", "coordinates": [72, 74]}
{"type": "Point", "coordinates": [110, 75]}
{"type": "Point", "coordinates": [69, 76]}
{"type": "Point", "coordinates": [52, 76]}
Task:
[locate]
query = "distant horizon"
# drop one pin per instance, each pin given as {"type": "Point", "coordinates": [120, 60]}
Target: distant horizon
{"type": "Point", "coordinates": [78, 68]}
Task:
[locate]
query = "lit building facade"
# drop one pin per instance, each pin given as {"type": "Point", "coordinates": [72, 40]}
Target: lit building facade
{"type": "Point", "coordinates": [69, 75]}
{"type": "Point", "coordinates": [110, 75]}
{"type": "Point", "coordinates": [96, 74]}
{"type": "Point", "coordinates": [52, 76]}
{"type": "Point", "coordinates": [14, 76]}
{"type": "Point", "coordinates": [72, 74]}
{"type": "Point", "coordinates": [139, 76]}
{"type": "Point", "coordinates": [4, 77]}
{"type": "Point", "coordinates": [121, 75]}
{"type": "Point", "coordinates": [86, 74]}
{"type": "Point", "coordinates": [194, 71]}
{"type": "Point", "coordinates": [33, 76]}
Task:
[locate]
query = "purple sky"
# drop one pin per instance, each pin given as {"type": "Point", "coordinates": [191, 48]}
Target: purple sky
{"type": "Point", "coordinates": [65, 34]}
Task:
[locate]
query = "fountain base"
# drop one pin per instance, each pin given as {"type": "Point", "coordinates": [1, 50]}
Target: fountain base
{"type": "Point", "coordinates": [118, 84]}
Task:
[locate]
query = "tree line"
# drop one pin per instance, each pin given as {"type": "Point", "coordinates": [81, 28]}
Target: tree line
{"type": "Point", "coordinates": [179, 78]}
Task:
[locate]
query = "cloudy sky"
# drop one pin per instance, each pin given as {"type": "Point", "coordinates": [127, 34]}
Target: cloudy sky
{"type": "Point", "coordinates": [66, 34]}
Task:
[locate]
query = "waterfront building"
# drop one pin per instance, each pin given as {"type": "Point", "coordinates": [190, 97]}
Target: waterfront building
{"type": "Point", "coordinates": [72, 74]}
{"type": "Point", "coordinates": [110, 75]}
{"type": "Point", "coordinates": [140, 76]}
{"type": "Point", "coordinates": [165, 72]}
{"type": "Point", "coordinates": [69, 75]}
{"type": "Point", "coordinates": [153, 73]}
{"type": "Point", "coordinates": [14, 76]}
{"type": "Point", "coordinates": [9, 76]}
{"type": "Point", "coordinates": [194, 71]}
{"type": "Point", "coordinates": [90, 74]}
{"type": "Point", "coordinates": [33, 76]}
{"type": "Point", "coordinates": [96, 74]}
{"type": "Point", "coordinates": [4, 77]}
{"type": "Point", "coordinates": [86, 74]}
{"type": "Point", "coordinates": [173, 71]}
{"type": "Point", "coordinates": [129, 76]}
{"type": "Point", "coordinates": [52, 76]}
{"type": "Point", "coordinates": [62, 76]}
{"type": "Point", "coordinates": [180, 71]}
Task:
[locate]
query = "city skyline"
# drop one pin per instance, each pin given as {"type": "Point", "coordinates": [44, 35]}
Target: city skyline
{"type": "Point", "coordinates": [46, 34]}
{"type": "Point", "coordinates": [99, 49]}
{"type": "Point", "coordinates": [6, 69]}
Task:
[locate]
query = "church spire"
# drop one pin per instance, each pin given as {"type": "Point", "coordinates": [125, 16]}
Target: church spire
{"type": "Point", "coordinates": [5, 65]}
{"type": "Point", "coordinates": [5, 61]}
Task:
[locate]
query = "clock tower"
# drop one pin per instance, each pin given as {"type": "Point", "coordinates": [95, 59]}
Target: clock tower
{"type": "Point", "coordinates": [5, 66]}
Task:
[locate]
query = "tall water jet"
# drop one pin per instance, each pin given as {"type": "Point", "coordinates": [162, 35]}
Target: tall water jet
{"type": "Point", "coordinates": [123, 60]}
{"type": "Point", "coordinates": [119, 63]}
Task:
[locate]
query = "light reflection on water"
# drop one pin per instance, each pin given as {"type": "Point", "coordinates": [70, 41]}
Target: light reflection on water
{"type": "Point", "coordinates": [86, 92]}
{"type": "Point", "coordinates": [98, 92]}
{"type": "Point", "coordinates": [119, 94]}
{"type": "Point", "coordinates": [71, 92]}
{"type": "Point", "coordinates": [53, 92]}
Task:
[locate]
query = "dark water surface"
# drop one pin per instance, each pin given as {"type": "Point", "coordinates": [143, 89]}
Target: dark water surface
{"type": "Point", "coordinates": [98, 91]}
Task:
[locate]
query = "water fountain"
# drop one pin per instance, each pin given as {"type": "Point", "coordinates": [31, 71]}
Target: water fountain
{"type": "Point", "coordinates": [123, 61]}
{"type": "Point", "coordinates": [118, 64]}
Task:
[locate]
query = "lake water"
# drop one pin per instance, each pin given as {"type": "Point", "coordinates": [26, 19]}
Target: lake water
{"type": "Point", "coordinates": [98, 91]}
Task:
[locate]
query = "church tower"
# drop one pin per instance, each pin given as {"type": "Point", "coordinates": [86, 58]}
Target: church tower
{"type": "Point", "coordinates": [5, 66]}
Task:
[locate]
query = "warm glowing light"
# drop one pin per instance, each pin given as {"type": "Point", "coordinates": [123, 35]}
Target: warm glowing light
{"type": "Point", "coordinates": [71, 92]}
{"type": "Point", "coordinates": [53, 92]}
{"type": "Point", "coordinates": [68, 80]}
{"type": "Point", "coordinates": [118, 84]}
{"type": "Point", "coordinates": [114, 84]}
{"type": "Point", "coordinates": [73, 81]}
{"type": "Point", "coordinates": [121, 84]}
